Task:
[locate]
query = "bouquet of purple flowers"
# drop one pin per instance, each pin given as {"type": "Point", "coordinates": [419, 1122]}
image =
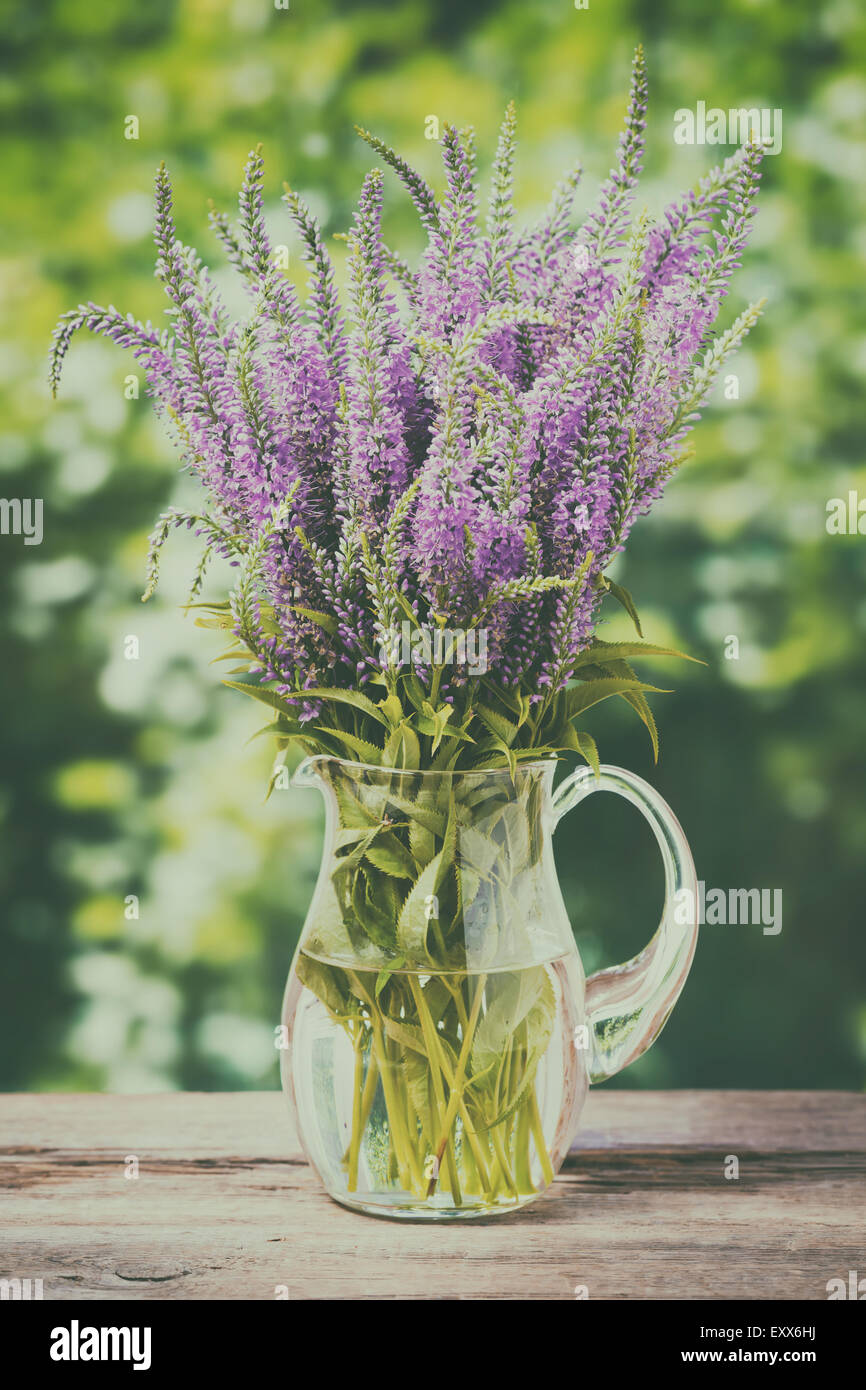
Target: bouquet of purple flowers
{"type": "Point", "coordinates": [422, 501]}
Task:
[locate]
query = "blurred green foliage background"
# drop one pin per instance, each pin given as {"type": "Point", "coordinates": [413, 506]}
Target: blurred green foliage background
{"type": "Point", "coordinates": [130, 779]}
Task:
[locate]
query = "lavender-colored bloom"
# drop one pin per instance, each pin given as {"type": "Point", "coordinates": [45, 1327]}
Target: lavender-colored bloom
{"type": "Point", "coordinates": [380, 388]}
{"type": "Point", "coordinates": [478, 456]}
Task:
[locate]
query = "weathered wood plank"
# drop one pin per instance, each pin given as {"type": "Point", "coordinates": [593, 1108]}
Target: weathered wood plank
{"type": "Point", "coordinates": [224, 1206]}
{"type": "Point", "coordinates": [257, 1122]}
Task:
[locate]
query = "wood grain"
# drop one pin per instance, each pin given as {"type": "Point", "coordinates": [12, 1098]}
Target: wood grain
{"type": "Point", "coordinates": [225, 1206]}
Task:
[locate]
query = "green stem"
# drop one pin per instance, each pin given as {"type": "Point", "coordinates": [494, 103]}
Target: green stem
{"type": "Point", "coordinates": [502, 1158]}
{"type": "Point", "coordinates": [355, 1145]}
{"type": "Point", "coordinates": [434, 685]}
{"type": "Point", "coordinates": [369, 1090]}
{"type": "Point", "coordinates": [405, 1150]}
{"type": "Point", "coordinates": [456, 992]}
{"type": "Point", "coordinates": [431, 1040]}
{"type": "Point", "coordinates": [402, 1148]}
{"type": "Point", "coordinates": [440, 939]}
{"type": "Point", "coordinates": [470, 1168]}
{"type": "Point", "coordinates": [538, 1136]}
{"type": "Point", "coordinates": [411, 1127]}
{"type": "Point", "coordinates": [522, 1157]}
{"type": "Point", "coordinates": [480, 1151]}
{"type": "Point", "coordinates": [505, 1077]}
{"type": "Point", "coordinates": [367, 1098]}
{"type": "Point", "coordinates": [458, 1084]}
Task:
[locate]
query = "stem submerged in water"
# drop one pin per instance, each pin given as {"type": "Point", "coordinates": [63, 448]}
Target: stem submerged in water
{"type": "Point", "coordinates": [357, 1109]}
{"type": "Point", "coordinates": [458, 1084]}
{"type": "Point", "coordinates": [442, 1132]}
{"type": "Point", "coordinates": [435, 1059]}
{"type": "Point", "coordinates": [538, 1136]}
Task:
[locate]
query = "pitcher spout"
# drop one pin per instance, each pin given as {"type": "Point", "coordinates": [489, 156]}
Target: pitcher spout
{"type": "Point", "coordinates": [309, 772]}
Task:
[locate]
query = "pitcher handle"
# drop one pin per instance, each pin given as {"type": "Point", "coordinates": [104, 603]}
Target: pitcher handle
{"type": "Point", "coordinates": [628, 1005]}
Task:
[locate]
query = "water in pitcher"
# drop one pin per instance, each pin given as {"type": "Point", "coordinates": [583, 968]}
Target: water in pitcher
{"type": "Point", "coordinates": [426, 1095]}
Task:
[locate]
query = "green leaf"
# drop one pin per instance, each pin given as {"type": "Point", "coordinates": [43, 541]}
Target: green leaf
{"type": "Point", "coordinates": [392, 890]}
{"type": "Point", "coordinates": [495, 743]}
{"type": "Point", "coordinates": [411, 747]}
{"type": "Point", "coordinates": [585, 745]}
{"type": "Point", "coordinates": [389, 854]}
{"type": "Point", "coordinates": [445, 758]}
{"type": "Point", "coordinates": [345, 697]}
{"type": "Point", "coordinates": [517, 831]}
{"type": "Point", "coordinates": [440, 718]}
{"type": "Point", "coordinates": [281, 728]}
{"type": "Point", "coordinates": [417, 1071]}
{"type": "Point", "coordinates": [377, 924]}
{"type": "Point", "coordinates": [511, 699]}
{"type": "Point", "coordinates": [386, 972]}
{"type": "Point", "coordinates": [623, 596]}
{"type": "Point", "coordinates": [327, 983]}
{"type": "Point", "coordinates": [276, 770]}
{"type": "Point", "coordinates": [477, 852]}
{"type": "Point", "coordinates": [422, 839]}
{"type": "Point", "coordinates": [524, 1010]}
{"type": "Point", "coordinates": [352, 811]}
{"type": "Point", "coordinates": [408, 1035]}
{"type": "Point", "coordinates": [266, 697]}
{"type": "Point", "coordinates": [534, 818]}
{"type": "Point", "coordinates": [414, 923]}
{"type": "Point", "coordinates": [582, 697]}
{"type": "Point", "coordinates": [222, 623]}
{"type": "Point", "coordinates": [233, 654]}
{"type": "Point", "coordinates": [449, 839]}
{"type": "Point", "coordinates": [392, 710]}
{"type": "Point", "coordinates": [327, 621]}
{"type": "Point", "coordinates": [600, 652]}
{"type": "Point", "coordinates": [333, 933]}
{"type": "Point", "coordinates": [538, 1028]}
{"type": "Point", "coordinates": [636, 699]}
{"type": "Point", "coordinates": [365, 751]}
{"type": "Point", "coordinates": [414, 690]}
{"type": "Point", "coordinates": [640, 704]}
{"type": "Point", "coordinates": [418, 809]}
{"type": "Point", "coordinates": [510, 997]}
{"type": "Point", "coordinates": [497, 723]}
{"type": "Point", "coordinates": [468, 883]}
{"type": "Point", "coordinates": [345, 872]}
{"type": "Point", "coordinates": [425, 725]}
{"type": "Point", "coordinates": [403, 749]}
{"type": "Point", "coordinates": [346, 836]}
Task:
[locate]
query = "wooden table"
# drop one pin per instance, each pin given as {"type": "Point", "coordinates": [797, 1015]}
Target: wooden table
{"type": "Point", "coordinates": [224, 1206]}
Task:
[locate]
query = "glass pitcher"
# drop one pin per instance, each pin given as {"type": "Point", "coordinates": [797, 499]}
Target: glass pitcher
{"type": "Point", "coordinates": [440, 1033]}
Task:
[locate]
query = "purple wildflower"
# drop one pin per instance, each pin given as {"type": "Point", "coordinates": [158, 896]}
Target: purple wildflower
{"type": "Point", "coordinates": [478, 456]}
